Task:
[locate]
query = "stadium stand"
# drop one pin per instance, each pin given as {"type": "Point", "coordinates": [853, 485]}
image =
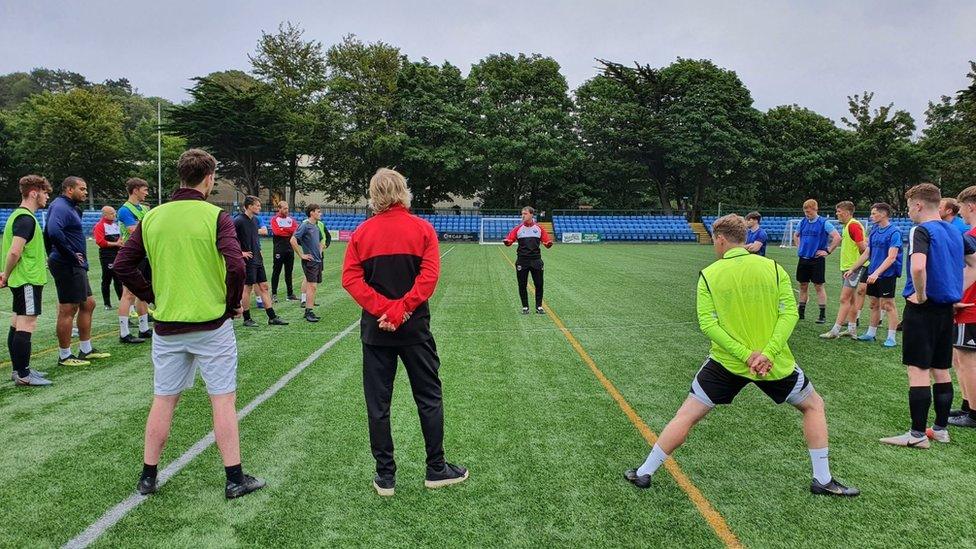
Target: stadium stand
{"type": "Point", "coordinates": [672, 228]}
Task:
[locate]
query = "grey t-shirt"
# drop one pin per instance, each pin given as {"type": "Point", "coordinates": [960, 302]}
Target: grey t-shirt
{"type": "Point", "coordinates": [310, 239]}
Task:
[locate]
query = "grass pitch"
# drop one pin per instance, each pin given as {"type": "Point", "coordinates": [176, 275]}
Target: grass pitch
{"type": "Point", "coordinates": [545, 442]}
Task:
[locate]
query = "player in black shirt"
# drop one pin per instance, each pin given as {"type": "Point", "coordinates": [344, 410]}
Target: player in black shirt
{"type": "Point", "coordinates": [529, 236]}
{"type": "Point", "coordinates": [248, 233]}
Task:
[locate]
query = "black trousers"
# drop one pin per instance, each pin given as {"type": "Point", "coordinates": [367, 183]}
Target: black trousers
{"type": "Point", "coordinates": [108, 278]}
{"type": "Point", "coordinates": [522, 272]}
{"type": "Point", "coordinates": [286, 259]}
{"type": "Point", "coordinates": [379, 371]}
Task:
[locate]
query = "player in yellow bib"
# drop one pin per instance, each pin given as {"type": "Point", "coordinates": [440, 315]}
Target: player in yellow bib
{"type": "Point", "coordinates": [853, 242]}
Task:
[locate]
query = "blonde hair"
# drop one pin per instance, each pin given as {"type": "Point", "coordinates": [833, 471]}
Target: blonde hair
{"type": "Point", "coordinates": [386, 189]}
{"type": "Point", "coordinates": [811, 203]}
{"type": "Point", "coordinates": [732, 227]}
{"type": "Point", "coordinates": [968, 195]}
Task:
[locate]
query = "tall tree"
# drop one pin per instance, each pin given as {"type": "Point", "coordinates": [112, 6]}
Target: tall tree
{"type": "Point", "coordinates": [295, 69]}
{"type": "Point", "coordinates": [525, 146]}
{"type": "Point", "coordinates": [362, 88]}
{"type": "Point", "coordinates": [949, 141]}
{"type": "Point", "coordinates": [78, 132]}
{"type": "Point", "coordinates": [239, 120]}
{"type": "Point", "coordinates": [431, 142]}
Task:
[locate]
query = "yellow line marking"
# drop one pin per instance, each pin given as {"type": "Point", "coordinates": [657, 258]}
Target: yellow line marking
{"type": "Point", "coordinates": [705, 507]}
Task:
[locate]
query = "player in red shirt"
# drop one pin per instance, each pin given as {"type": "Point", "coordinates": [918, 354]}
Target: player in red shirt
{"type": "Point", "coordinates": [964, 346]}
{"type": "Point", "coordinates": [529, 236]}
{"type": "Point", "coordinates": [283, 226]}
{"type": "Point", "coordinates": [108, 236]}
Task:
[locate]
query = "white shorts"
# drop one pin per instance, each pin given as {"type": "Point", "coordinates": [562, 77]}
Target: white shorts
{"type": "Point", "coordinates": [177, 357]}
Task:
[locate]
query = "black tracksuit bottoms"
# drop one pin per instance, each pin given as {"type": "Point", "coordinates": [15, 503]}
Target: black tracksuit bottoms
{"type": "Point", "coordinates": [379, 371]}
{"type": "Point", "coordinates": [522, 271]}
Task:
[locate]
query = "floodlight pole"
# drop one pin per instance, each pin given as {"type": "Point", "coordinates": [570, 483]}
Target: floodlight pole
{"type": "Point", "coordinates": [159, 151]}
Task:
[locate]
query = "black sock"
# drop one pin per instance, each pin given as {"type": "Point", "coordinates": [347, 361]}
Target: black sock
{"type": "Point", "coordinates": [20, 351]}
{"type": "Point", "coordinates": [802, 307]}
{"type": "Point", "coordinates": [235, 473]}
{"type": "Point", "coordinates": [247, 314]}
{"type": "Point", "coordinates": [149, 471]}
{"type": "Point", "coordinates": [308, 311]}
{"type": "Point", "coordinates": [919, 400]}
{"type": "Point", "coordinates": [942, 395]}
{"type": "Point", "coordinates": [823, 311]}
{"type": "Point", "coordinates": [270, 311]}
{"type": "Point", "coordinates": [965, 406]}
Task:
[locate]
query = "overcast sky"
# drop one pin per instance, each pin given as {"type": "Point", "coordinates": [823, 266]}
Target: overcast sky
{"type": "Point", "coordinates": [814, 54]}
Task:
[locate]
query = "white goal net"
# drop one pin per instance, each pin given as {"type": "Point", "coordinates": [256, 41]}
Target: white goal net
{"type": "Point", "coordinates": [494, 229]}
{"type": "Point", "coordinates": [788, 232]}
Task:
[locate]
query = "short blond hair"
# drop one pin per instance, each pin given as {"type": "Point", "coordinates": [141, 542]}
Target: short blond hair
{"type": "Point", "coordinates": [388, 188]}
{"type": "Point", "coordinates": [811, 203]}
{"type": "Point", "coordinates": [733, 227]}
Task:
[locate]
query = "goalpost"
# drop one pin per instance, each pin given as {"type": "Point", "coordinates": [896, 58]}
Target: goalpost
{"type": "Point", "coordinates": [788, 233]}
{"type": "Point", "coordinates": [493, 230]}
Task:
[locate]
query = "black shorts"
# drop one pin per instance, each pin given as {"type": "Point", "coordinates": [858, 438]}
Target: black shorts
{"type": "Point", "coordinates": [965, 337]}
{"type": "Point", "coordinates": [928, 336]}
{"type": "Point", "coordinates": [254, 272]}
{"type": "Point", "coordinates": [27, 300]}
{"type": "Point", "coordinates": [312, 271]}
{"type": "Point", "coordinates": [811, 270]}
{"type": "Point", "coordinates": [883, 287]}
{"type": "Point", "coordinates": [71, 282]}
{"type": "Point", "coordinates": [715, 385]}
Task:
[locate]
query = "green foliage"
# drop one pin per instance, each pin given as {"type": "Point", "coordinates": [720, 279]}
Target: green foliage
{"type": "Point", "coordinates": [949, 141]}
{"type": "Point", "coordinates": [78, 132]}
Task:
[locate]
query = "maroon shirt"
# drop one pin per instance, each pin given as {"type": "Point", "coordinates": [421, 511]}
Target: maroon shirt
{"type": "Point", "coordinates": [132, 255]}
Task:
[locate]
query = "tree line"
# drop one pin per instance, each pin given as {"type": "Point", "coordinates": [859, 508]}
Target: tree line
{"type": "Point", "coordinates": [510, 132]}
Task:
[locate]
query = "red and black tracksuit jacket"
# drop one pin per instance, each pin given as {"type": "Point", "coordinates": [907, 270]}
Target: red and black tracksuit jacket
{"type": "Point", "coordinates": [391, 268]}
{"type": "Point", "coordinates": [529, 237]}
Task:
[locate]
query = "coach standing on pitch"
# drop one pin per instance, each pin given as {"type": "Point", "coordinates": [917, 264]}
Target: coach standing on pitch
{"type": "Point", "coordinates": [529, 236]}
{"type": "Point", "coordinates": [197, 281]}
{"type": "Point", "coordinates": [391, 269]}
{"type": "Point", "coordinates": [283, 226]}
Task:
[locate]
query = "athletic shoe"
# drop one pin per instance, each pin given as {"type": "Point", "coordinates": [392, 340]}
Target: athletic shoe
{"type": "Point", "coordinates": [941, 435]}
{"type": "Point", "coordinates": [277, 321]}
{"type": "Point", "coordinates": [109, 307]}
{"type": "Point", "coordinates": [292, 297]}
{"type": "Point", "coordinates": [540, 310]}
{"type": "Point", "coordinates": [310, 317]}
{"type": "Point", "coordinates": [962, 421]}
{"type": "Point", "coordinates": [146, 335]}
{"type": "Point", "coordinates": [131, 339]}
{"type": "Point", "coordinates": [32, 380]}
{"type": "Point", "coordinates": [274, 299]}
{"type": "Point", "coordinates": [833, 488]}
{"type": "Point", "coordinates": [830, 335]}
{"type": "Point", "coordinates": [13, 374]}
{"type": "Point", "coordinates": [384, 486]}
{"type": "Point", "coordinates": [907, 440]}
{"type": "Point", "coordinates": [95, 354]}
{"type": "Point", "coordinates": [640, 481]}
{"type": "Point", "coordinates": [303, 304]}
{"type": "Point", "coordinates": [821, 320]}
{"type": "Point", "coordinates": [866, 337]}
{"type": "Point", "coordinates": [249, 323]}
{"type": "Point", "coordinates": [250, 484]}
{"type": "Point", "coordinates": [958, 413]}
{"type": "Point", "coordinates": [525, 310]}
{"type": "Point", "coordinates": [147, 486]}
{"type": "Point", "coordinates": [72, 360]}
{"type": "Point", "coordinates": [850, 334]}
{"type": "Point", "coordinates": [890, 343]}
{"type": "Point", "coordinates": [450, 474]}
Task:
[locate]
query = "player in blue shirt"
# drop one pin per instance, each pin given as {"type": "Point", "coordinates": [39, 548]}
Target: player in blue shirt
{"type": "Point", "coordinates": [756, 236]}
{"type": "Point", "coordinates": [884, 253]}
{"type": "Point", "coordinates": [812, 247]}
{"type": "Point", "coordinates": [939, 260]}
{"type": "Point", "coordinates": [949, 212]}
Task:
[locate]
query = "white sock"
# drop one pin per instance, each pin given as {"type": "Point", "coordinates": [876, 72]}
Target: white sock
{"type": "Point", "coordinates": [835, 329]}
{"type": "Point", "coordinates": [123, 326]}
{"type": "Point", "coordinates": [64, 353]}
{"type": "Point", "coordinates": [872, 331]}
{"type": "Point", "coordinates": [132, 309]}
{"type": "Point", "coordinates": [891, 334]}
{"type": "Point", "coordinates": [851, 326]}
{"type": "Point", "coordinates": [303, 296]}
{"type": "Point", "coordinates": [144, 323]}
{"type": "Point", "coordinates": [821, 466]}
{"type": "Point", "coordinates": [653, 461]}
{"type": "Point", "coordinates": [86, 346]}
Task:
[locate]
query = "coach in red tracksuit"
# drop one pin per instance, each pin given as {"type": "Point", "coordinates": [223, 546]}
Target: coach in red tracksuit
{"type": "Point", "coordinates": [283, 227]}
{"type": "Point", "coordinates": [391, 269]}
{"type": "Point", "coordinates": [529, 235]}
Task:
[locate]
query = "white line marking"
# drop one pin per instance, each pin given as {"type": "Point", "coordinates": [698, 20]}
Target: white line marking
{"type": "Point", "coordinates": [115, 514]}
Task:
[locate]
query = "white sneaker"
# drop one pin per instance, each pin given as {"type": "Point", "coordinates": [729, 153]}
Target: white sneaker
{"type": "Point", "coordinates": [32, 380]}
{"type": "Point", "coordinates": [938, 436]}
{"type": "Point", "coordinates": [830, 335]}
{"type": "Point", "coordinates": [851, 334]}
{"type": "Point", "coordinates": [907, 440]}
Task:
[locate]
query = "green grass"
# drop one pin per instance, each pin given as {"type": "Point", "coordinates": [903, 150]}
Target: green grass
{"type": "Point", "coordinates": [545, 443]}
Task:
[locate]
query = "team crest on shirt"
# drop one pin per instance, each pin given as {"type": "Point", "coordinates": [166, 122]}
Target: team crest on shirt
{"type": "Point", "coordinates": [518, 267]}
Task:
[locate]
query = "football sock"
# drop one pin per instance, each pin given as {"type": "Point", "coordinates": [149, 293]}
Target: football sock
{"type": "Point", "coordinates": [144, 323]}
{"type": "Point", "coordinates": [653, 461]}
{"type": "Point", "coordinates": [20, 350]}
{"type": "Point", "coordinates": [821, 465]}
{"type": "Point", "coordinates": [64, 353]}
{"type": "Point", "coordinates": [872, 331]}
{"type": "Point", "coordinates": [85, 346]}
{"type": "Point", "coordinates": [271, 312]}
{"type": "Point", "coordinates": [247, 314]}
{"type": "Point", "coordinates": [891, 334]}
{"type": "Point", "coordinates": [851, 326]}
{"type": "Point", "coordinates": [123, 326]}
{"type": "Point", "coordinates": [942, 395]}
{"type": "Point", "coordinates": [919, 401]}
{"type": "Point", "coordinates": [235, 473]}
{"type": "Point", "coordinates": [149, 471]}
